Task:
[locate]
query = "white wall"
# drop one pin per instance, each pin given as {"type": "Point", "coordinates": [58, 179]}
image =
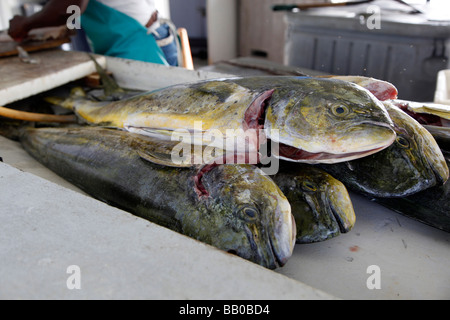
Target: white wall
{"type": "Point", "coordinates": [5, 14]}
{"type": "Point", "coordinates": [222, 25]}
{"type": "Point", "coordinates": [9, 8]}
{"type": "Point", "coordinates": [189, 14]}
{"type": "Point", "coordinates": [163, 7]}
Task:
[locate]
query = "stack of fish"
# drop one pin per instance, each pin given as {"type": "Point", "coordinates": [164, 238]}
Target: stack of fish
{"type": "Point", "coordinates": [325, 134]}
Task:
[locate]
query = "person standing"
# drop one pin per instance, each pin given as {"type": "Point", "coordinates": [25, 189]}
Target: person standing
{"type": "Point", "coordinates": [127, 29]}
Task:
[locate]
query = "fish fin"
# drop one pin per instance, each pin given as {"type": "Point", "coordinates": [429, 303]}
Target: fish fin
{"type": "Point", "coordinates": [14, 129]}
{"type": "Point", "coordinates": [110, 86]}
{"type": "Point", "coordinates": [163, 160]}
{"type": "Point", "coordinates": [54, 100]}
{"type": "Point", "coordinates": [220, 89]}
{"type": "Point", "coordinates": [381, 89]}
{"type": "Point", "coordinates": [67, 103]}
{"type": "Point", "coordinates": [161, 134]}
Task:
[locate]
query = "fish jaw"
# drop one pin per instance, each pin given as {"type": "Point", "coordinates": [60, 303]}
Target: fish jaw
{"type": "Point", "coordinates": [433, 155]}
{"type": "Point", "coordinates": [283, 245]}
{"type": "Point", "coordinates": [347, 139]}
{"type": "Point", "coordinates": [297, 155]}
{"type": "Point", "coordinates": [341, 205]}
{"type": "Point", "coordinates": [320, 204]}
{"type": "Point", "coordinates": [382, 137]}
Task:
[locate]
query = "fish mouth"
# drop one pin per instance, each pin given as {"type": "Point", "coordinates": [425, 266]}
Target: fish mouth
{"type": "Point", "coordinates": [273, 258]}
{"type": "Point", "coordinates": [441, 172]}
{"type": "Point", "coordinates": [345, 215]}
{"type": "Point", "coordinates": [275, 252]}
{"type": "Point", "coordinates": [282, 247]}
{"type": "Point", "coordinates": [436, 161]}
{"type": "Point", "coordinates": [290, 153]}
{"type": "Point", "coordinates": [282, 256]}
{"type": "Point", "coordinates": [330, 216]}
{"type": "Point", "coordinates": [344, 227]}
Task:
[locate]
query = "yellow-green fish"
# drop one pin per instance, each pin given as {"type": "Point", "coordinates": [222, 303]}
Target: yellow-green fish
{"type": "Point", "coordinates": [235, 208]}
{"type": "Point", "coordinates": [314, 120]}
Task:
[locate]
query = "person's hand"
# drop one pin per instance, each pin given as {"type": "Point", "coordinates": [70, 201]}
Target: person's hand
{"type": "Point", "coordinates": [18, 28]}
{"type": "Point", "coordinates": [152, 19]}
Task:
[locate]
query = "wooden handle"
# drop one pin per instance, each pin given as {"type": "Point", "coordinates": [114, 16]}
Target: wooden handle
{"type": "Point", "coordinates": [36, 117]}
{"type": "Point", "coordinates": [188, 63]}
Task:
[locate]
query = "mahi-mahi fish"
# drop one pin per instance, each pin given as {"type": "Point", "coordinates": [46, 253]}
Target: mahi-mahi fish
{"type": "Point", "coordinates": [232, 207]}
{"type": "Point", "coordinates": [320, 204]}
{"type": "Point", "coordinates": [314, 120]}
{"type": "Point", "coordinates": [413, 163]}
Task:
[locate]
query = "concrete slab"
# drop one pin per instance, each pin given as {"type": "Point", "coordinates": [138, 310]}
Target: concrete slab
{"type": "Point", "coordinates": [46, 229]}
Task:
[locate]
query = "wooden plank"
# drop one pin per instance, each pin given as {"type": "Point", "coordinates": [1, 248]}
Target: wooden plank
{"type": "Point", "coordinates": [37, 39]}
{"type": "Point", "coordinates": [10, 48]}
{"type": "Point", "coordinates": [20, 80]}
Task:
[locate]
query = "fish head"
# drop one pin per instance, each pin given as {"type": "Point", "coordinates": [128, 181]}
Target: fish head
{"type": "Point", "coordinates": [248, 215]}
{"type": "Point", "coordinates": [327, 121]}
{"type": "Point", "coordinates": [320, 204]}
{"type": "Point", "coordinates": [414, 162]}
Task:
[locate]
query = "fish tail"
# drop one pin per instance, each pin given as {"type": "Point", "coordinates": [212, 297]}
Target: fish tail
{"type": "Point", "coordinates": [70, 102]}
{"type": "Point", "coordinates": [55, 100]}
{"type": "Point", "coordinates": [14, 129]}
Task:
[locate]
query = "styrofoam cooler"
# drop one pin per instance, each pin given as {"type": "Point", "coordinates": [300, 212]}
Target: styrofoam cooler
{"type": "Point", "coordinates": [407, 49]}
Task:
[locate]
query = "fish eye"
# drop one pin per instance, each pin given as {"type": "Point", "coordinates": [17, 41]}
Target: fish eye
{"type": "Point", "coordinates": [308, 186]}
{"type": "Point", "coordinates": [249, 213]}
{"type": "Point", "coordinates": [340, 110]}
{"type": "Point", "coordinates": [403, 142]}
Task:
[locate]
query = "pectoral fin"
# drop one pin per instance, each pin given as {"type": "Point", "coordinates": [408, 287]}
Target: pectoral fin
{"type": "Point", "coordinates": [165, 160]}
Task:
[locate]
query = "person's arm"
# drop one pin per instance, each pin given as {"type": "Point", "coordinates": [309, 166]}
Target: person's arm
{"type": "Point", "coordinates": [54, 13]}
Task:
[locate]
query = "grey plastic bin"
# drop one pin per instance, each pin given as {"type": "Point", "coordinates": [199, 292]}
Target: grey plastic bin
{"type": "Point", "coordinates": [407, 50]}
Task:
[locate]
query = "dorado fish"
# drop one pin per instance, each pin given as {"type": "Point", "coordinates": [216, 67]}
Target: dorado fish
{"type": "Point", "coordinates": [431, 206]}
{"type": "Point", "coordinates": [314, 120]}
{"type": "Point", "coordinates": [320, 204]}
{"type": "Point", "coordinates": [412, 164]}
{"type": "Point", "coordinates": [232, 207]}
